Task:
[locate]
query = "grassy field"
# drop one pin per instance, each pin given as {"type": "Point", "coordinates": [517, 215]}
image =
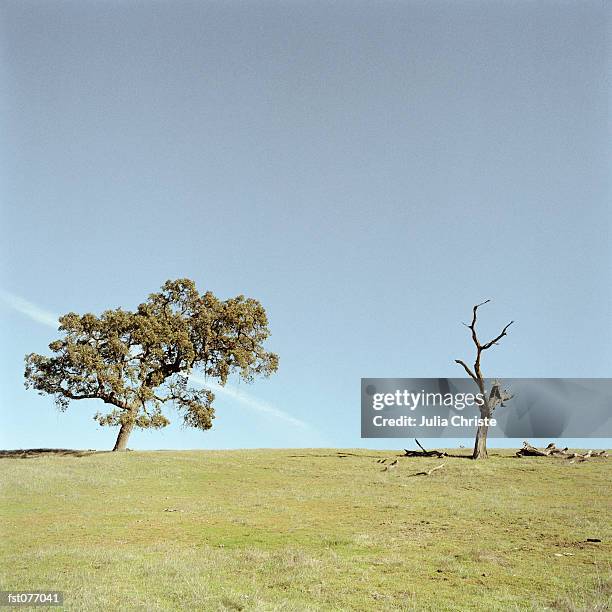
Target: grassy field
{"type": "Point", "coordinates": [307, 530]}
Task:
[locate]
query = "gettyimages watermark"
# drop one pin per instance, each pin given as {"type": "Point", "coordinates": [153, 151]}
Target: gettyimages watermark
{"type": "Point", "coordinates": [454, 407]}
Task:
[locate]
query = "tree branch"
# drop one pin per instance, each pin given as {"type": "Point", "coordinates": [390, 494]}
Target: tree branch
{"type": "Point", "coordinates": [476, 374]}
{"type": "Point", "coordinates": [467, 369]}
{"type": "Point", "coordinates": [498, 338]}
{"type": "Point", "coordinates": [472, 326]}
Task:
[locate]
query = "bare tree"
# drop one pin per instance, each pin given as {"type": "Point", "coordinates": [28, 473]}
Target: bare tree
{"type": "Point", "coordinates": [496, 395]}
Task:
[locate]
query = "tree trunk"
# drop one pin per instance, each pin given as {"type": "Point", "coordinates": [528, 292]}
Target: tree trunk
{"type": "Point", "coordinates": [122, 438]}
{"type": "Point", "coordinates": [480, 446]}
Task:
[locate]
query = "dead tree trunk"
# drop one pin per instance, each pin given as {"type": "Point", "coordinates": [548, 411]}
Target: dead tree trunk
{"type": "Point", "coordinates": [495, 396]}
{"type": "Point", "coordinates": [480, 445]}
{"type": "Point", "coordinates": [122, 438]}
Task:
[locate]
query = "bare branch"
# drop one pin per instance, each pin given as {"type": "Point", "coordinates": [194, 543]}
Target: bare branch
{"type": "Point", "coordinates": [428, 472]}
{"type": "Point", "coordinates": [472, 325]}
{"type": "Point", "coordinates": [496, 340]}
{"type": "Point", "coordinates": [419, 445]}
{"type": "Point", "coordinates": [467, 369]}
{"type": "Point", "coordinates": [476, 308]}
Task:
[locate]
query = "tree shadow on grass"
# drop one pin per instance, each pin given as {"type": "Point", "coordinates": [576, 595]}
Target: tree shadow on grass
{"type": "Point", "coordinates": [30, 453]}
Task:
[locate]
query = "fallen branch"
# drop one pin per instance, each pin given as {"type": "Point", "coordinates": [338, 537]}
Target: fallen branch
{"type": "Point", "coordinates": [531, 451]}
{"type": "Point", "coordinates": [420, 445]}
{"type": "Point", "coordinates": [429, 472]}
{"type": "Point", "coordinates": [552, 451]}
{"type": "Point", "coordinates": [423, 452]}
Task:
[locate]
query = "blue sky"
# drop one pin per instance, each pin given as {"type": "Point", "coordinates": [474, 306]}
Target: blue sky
{"type": "Point", "coordinates": [368, 171]}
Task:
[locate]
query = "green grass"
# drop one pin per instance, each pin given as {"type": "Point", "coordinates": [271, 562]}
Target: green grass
{"type": "Point", "coordinates": [306, 530]}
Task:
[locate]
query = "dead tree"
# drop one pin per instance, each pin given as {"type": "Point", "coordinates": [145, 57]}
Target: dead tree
{"type": "Point", "coordinates": [496, 396]}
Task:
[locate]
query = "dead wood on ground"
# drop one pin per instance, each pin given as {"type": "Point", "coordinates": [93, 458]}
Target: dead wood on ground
{"type": "Point", "coordinates": [552, 451]}
{"type": "Point", "coordinates": [429, 472]}
{"type": "Point", "coordinates": [423, 452]}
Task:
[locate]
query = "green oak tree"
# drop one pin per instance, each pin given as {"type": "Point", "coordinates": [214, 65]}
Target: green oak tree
{"type": "Point", "coordinates": [137, 362]}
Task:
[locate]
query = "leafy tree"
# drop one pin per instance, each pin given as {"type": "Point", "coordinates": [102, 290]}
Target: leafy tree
{"type": "Point", "coordinates": [136, 362]}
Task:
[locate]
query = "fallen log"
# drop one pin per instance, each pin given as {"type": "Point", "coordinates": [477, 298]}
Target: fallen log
{"type": "Point", "coordinates": [532, 451]}
{"type": "Point", "coordinates": [556, 451]}
{"type": "Point", "coordinates": [423, 452]}
{"type": "Point", "coordinates": [552, 451]}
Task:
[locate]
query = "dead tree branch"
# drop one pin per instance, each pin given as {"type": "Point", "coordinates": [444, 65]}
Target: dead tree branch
{"type": "Point", "coordinates": [429, 472]}
{"type": "Point", "coordinates": [476, 374]}
{"type": "Point", "coordinates": [423, 452]}
{"type": "Point", "coordinates": [552, 451]}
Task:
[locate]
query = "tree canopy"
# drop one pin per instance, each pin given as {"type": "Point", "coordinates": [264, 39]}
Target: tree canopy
{"type": "Point", "coordinates": [137, 362]}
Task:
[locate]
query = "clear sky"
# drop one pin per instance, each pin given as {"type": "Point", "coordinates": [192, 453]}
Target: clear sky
{"type": "Point", "coordinates": [367, 170]}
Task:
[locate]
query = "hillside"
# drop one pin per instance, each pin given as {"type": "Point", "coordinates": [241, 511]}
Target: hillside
{"type": "Point", "coordinates": [306, 530]}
